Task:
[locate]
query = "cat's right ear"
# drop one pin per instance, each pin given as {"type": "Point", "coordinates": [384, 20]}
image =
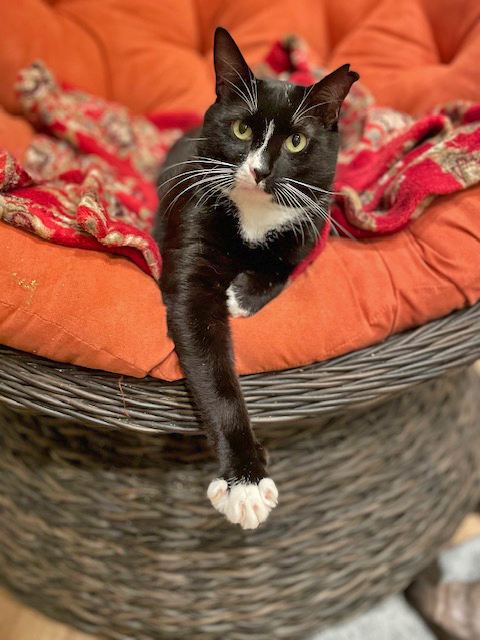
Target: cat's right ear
{"type": "Point", "coordinates": [232, 72]}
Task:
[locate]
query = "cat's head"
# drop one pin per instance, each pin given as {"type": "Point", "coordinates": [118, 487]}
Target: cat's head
{"type": "Point", "coordinates": [273, 135]}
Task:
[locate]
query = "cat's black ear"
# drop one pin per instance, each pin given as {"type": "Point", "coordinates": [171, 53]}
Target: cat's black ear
{"type": "Point", "coordinates": [232, 72]}
{"type": "Point", "coordinates": [331, 91]}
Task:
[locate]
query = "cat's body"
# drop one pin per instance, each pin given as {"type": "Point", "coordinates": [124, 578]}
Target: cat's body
{"type": "Point", "coordinates": [242, 202]}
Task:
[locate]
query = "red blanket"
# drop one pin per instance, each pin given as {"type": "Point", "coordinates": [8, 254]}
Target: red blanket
{"type": "Point", "coordinates": [88, 178]}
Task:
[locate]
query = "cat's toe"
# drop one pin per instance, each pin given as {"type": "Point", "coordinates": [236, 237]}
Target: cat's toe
{"type": "Point", "coordinates": [246, 504]}
{"type": "Point", "coordinates": [269, 492]}
{"type": "Point", "coordinates": [235, 308]}
{"type": "Point", "coordinates": [218, 494]}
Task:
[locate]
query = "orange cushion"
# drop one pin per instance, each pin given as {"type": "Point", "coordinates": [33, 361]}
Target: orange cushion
{"type": "Point", "coordinates": [79, 306]}
{"type": "Point", "coordinates": [15, 134]}
{"type": "Point", "coordinates": [412, 54]}
{"type": "Point", "coordinates": [101, 311]}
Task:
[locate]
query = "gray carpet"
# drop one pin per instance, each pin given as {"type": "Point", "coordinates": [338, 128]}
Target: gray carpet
{"type": "Point", "coordinates": [462, 563]}
{"type": "Point", "coordinates": [394, 619]}
{"type": "Point", "coordinates": [391, 620]}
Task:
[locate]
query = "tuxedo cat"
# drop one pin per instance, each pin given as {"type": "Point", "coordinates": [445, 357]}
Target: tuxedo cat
{"type": "Point", "coordinates": [243, 200]}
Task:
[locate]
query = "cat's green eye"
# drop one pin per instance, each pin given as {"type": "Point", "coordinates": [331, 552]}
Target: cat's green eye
{"type": "Point", "coordinates": [296, 142]}
{"type": "Point", "coordinates": [242, 130]}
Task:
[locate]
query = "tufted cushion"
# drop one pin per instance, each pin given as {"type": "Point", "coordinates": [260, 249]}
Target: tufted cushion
{"type": "Point", "coordinates": [412, 54]}
{"type": "Point", "coordinates": [101, 311]}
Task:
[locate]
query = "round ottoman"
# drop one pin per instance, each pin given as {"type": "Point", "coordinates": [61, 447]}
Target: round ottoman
{"type": "Point", "coordinates": [104, 522]}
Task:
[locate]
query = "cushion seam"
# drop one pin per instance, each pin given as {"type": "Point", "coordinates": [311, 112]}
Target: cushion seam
{"type": "Point", "coordinates": [72, 335]}
{"type": "Point", "coordinates": [443, 276]}
{"type": "Point", "coordinates": [394, 289]}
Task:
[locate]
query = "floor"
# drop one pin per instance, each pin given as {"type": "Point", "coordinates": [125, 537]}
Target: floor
{"type": "Point", "coordinates": [21, 623]}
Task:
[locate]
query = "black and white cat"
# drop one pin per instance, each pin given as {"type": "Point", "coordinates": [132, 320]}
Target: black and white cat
{"type": "Point", "coordinates": [242, 203]}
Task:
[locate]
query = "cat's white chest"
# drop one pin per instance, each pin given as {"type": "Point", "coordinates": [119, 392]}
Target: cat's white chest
{"type": "Point", "coordinates": [258, 215]}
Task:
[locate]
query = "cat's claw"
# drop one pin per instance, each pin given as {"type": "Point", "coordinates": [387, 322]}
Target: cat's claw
{"type": "Point", "coordinates": [246, 504]}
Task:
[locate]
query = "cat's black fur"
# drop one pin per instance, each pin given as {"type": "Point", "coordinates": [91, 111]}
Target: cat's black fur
{"type": "Point", "coordinates": [204, 251]}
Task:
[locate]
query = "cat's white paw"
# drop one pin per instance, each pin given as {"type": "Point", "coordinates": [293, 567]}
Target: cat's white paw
{"type": "Point", "coordinates": [234, 307]}
{"type": "Point", "coordinates": [245, 504]}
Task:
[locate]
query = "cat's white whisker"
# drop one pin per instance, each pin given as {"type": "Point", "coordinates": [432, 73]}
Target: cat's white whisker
{"type": "Point", "coordinates": [197, 162]}
{"type": "Point", "coordinates": [290, 202]}
{"type": "Point", "coordinates": [336, 225]}
{"type": "Point", "coordinates": [304, 217]}
{"type": "Point", "coordinates": [197, 183]}
{"type": "Point", "coordinates": [204, 159]}
{"type": "Point", "coordinates": [251, 101]}
{"type": "Point", "coordinates": [219, 186]}
{"type": "Point", "coordinates": [239, 92]}
{"type": "Point", "coordinates": [307, 217]}
{"type": "Point", "coordinates": [249, 90]}
{"type": "Point", "coordinates": [311, 221]}
{"type": "Point", "coordinates": [322, 212]}
{"type": "Point", "coordinates": [282, 200]}
{"type": "Point", "coordinates": [309, 201]}
{"type": "Point", "coordinates": [300, 115]}
{"type": "Point", "coordinates": [309, 206]}
{"type": "Point", "coordinates": [311, 186]}
{"type": "Point", "coordinates": [191, 173]}
{"type": "Point", "coordinates": [195, 174]}
{"type": "Point", "coordinates": [302, 102]}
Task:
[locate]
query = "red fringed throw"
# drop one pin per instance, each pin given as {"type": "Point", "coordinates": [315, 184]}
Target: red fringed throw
{"type": "Point", "coordinates": [88, 178]}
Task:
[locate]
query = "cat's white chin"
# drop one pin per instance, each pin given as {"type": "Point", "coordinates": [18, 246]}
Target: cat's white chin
{"type": "Point", "coordinates": [246, 504]}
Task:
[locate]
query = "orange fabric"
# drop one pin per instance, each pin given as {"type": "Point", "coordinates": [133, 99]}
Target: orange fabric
{"type": "Point", "coordinates": [412, 54]}
{"type": "Point", "coordinates": [101, 311]}
{"type": "Point", "coordinates": [85, 307]}
{"type": "Point", "coordinates": [15, 134]}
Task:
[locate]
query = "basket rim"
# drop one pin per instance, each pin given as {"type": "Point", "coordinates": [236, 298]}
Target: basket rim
{"type": "Point", "coordinates": [353, 380]}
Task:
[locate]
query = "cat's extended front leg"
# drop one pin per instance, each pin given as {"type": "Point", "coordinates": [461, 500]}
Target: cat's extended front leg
{"type": "Point", "coordinates": [250, 291]}
{"type": "Point", "coordinates": [198, 323]}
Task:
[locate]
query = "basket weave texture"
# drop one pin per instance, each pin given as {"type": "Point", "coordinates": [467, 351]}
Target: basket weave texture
{"type": "Point", "coordinates": [351, 381]}
{"type": "Point", "coordinates": [110, 531]}
{"type": "Point", "coordinates": [376, 455]}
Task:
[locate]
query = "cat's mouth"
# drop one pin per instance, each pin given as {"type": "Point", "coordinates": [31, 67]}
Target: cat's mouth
{"type": "Point", "coordinates": [251, 188]}
{"type": "Point", "coordinates": [251, 193]}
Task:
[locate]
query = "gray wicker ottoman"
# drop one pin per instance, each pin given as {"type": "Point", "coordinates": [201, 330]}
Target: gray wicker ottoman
{"type": "Point", "coordinates": [104, 522]}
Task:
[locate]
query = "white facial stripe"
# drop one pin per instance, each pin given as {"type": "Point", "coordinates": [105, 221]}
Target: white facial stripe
{"type": "Point", "coordinates": [255, 160]}
{"type": "Point", "coordinates": [257, 212]}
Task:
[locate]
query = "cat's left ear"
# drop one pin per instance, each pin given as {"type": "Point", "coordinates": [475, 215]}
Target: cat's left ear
{"type": "Point", "coordinates": [331, 91]}
{"type": "Point", "coordinates": [230, 67]}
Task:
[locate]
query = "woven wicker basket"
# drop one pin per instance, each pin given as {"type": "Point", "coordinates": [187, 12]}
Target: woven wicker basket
{"type": "Point", "coordinates": [109, 529]}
